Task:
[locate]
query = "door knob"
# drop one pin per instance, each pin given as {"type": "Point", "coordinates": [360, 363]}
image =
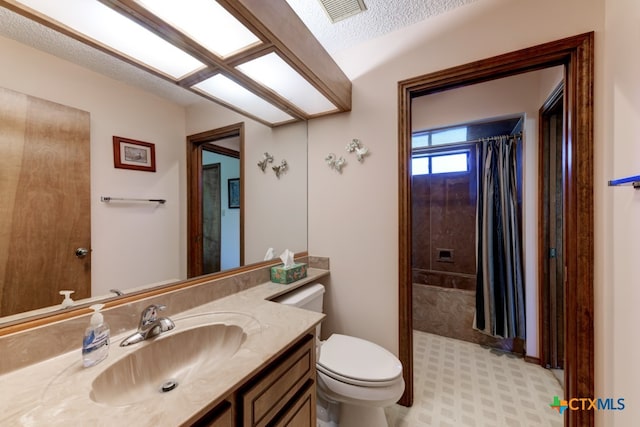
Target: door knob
{"type": "Point", "coordinates": [81, 252]}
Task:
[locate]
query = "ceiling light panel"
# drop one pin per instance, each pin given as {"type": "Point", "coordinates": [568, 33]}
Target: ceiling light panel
{"type": "Point", "coordinates": [106, 26]}
{"type": "Point", "coordinates": [228, 91]}
{"type": "Point", "coordinates": [273, 72]}
{"type": "Point", "coordinates": [206, 22]}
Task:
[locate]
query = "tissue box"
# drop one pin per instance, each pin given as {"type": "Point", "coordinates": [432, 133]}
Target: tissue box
{"type": "Point", "coordinates": [280, 274]}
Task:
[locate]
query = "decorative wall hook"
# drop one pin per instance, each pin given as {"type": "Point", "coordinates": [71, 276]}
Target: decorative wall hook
{"type": "Point", "coordinates": [280, 168]}
{"type": "Point", "coordinates": [266, 158]}
{"type": "Point", "coordinates": [356, 146]}
{"type": "Point", "coordinates": [335, 163]}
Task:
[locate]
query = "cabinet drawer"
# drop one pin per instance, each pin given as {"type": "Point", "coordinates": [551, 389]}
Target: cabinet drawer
{"type": "Point", "coordinates": [302, 412]}
{"type": "Point", "coordinates": [279, 384]}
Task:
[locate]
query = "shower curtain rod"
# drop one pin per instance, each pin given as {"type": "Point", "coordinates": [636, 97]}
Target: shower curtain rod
{"type": "Point", "coordinates": [461, 144]}
{"type": "Point", "coordinates": [513, 135]}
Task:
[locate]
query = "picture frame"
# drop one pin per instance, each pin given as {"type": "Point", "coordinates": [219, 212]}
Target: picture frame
{"type": "Point", "coordinates": [132, 154]}
{"type": "Point", "coordinates": [234, 193]}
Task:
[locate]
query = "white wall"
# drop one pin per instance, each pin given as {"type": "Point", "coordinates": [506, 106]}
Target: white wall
{"type": "Point", "coordinates": [132, 245]}
{"type": "Point", "coordinates": [353, 217]}
{"type": "Point", "coordinates": [617, 155]}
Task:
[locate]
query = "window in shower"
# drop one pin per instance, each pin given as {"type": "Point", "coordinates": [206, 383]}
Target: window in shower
{"type": "Point", "coordinates": [431, 156]}
{"type": "Point", "coordinates": [442, 162]}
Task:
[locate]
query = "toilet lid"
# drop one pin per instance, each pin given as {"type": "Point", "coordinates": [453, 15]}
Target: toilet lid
{"type": "Point", "coordinates": [357, 359]}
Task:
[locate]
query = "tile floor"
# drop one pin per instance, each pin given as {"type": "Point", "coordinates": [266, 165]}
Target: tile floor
{"type": "Point", "coordinates": [458, 384]}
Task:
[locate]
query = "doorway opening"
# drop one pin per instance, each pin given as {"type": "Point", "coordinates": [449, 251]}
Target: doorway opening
{"type": "Point", "coordinates": [576, 55]}
{"type": "Point", "coordinates": [215, 218]}
{"type": "Point", "coordinates": [447, 171]}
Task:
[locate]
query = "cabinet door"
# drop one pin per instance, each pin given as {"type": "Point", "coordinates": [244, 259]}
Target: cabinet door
{"type": "Point", "coordinates": [275, 389]}
{"type": "Point", "coordinates": [221, 416]}
{"type": "Point", "coordinates": [302, 411]}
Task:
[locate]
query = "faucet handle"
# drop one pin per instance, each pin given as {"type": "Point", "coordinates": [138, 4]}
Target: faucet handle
{"type": "Point", "coordinates": [150, 314]}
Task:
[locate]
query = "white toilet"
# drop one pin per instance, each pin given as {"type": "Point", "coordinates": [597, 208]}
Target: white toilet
{"type": "Point", "coordinates": [356, 378]}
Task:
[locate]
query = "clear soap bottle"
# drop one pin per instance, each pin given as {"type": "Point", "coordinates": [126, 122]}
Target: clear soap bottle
{"type": "Point", "coordinates": [95, 345]}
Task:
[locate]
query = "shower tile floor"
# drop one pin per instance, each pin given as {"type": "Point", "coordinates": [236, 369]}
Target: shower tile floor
{"type": "Point", "coordinates": [457, 383]}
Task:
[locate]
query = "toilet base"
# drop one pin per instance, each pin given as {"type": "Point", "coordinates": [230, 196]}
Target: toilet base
{"type": "Point", "coordinates": [358, 416]}
{"type": "Point", "coordinates": [338, 410]}
{"type": "Point", "coordinates": [353, 416]}
{"type": "Point", "coordinates": [327, 412]}
{"type": "Point", "coordinates": [334, 414]}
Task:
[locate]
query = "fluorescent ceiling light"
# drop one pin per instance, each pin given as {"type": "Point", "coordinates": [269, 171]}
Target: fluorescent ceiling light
{"type": "Point", "coordinates": [206, 22]}
{"type": "Point", "coordinates": [273, 72]}
{"type": "Point", "coordinates": [228, 91]}
{"type": "Point", "coordinates": [108, 27]}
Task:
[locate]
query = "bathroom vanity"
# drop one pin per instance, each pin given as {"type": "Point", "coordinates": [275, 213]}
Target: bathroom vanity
{"type": "Point", "coordinates": [271, 397]}
{"type": "Point", "coordinates": [239, 360]}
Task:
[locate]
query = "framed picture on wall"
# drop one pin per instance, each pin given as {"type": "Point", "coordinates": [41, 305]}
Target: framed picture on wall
{"type": "Point", "coordinates": [132, 154]}
{"type": "Point", "coordinates": [234, 193]}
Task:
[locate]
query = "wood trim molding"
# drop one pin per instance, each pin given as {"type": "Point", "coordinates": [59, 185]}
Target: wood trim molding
{"type": "Point", "coordinates": [279, 24]}
{"type": "Point", "coordinates": [534, 360]}
{"type": "Point", "coordinates": [576, 54]}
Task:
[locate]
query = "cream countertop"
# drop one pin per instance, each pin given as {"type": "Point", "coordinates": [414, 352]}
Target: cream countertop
{"type": "Point", "coordinates": [57, 391]}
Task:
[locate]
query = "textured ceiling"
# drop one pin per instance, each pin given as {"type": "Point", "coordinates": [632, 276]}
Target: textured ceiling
{"type": "Point", "coordinates": [381, 17]}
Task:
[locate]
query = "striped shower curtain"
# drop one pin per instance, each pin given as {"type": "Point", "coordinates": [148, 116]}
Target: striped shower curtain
{"type": "Point", "coordinates": [500, 310]}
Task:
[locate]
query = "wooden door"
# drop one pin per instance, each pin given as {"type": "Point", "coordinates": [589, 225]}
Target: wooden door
{"type": "Point", "coordinates": [552, 232]}
{"type": "Point", "coordinates": [211, 224]}
{"type": "Point", "coordinates": [44, 202]}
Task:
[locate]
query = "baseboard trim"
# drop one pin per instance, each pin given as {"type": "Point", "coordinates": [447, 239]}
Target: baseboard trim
{"type": "Point", "coordinates": [531, 359]}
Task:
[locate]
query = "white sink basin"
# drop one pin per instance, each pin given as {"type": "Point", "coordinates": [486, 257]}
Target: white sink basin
{"type": "Point", "coordinates": [165, 363]}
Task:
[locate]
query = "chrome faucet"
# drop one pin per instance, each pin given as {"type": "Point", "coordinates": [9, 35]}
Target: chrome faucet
{"type": "Point", "coordinates": [150, 325]}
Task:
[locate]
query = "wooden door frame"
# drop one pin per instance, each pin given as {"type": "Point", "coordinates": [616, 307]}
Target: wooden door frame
{"type": "Point", "coordinates": [544, 296]}
{"type": "Point", "coordinates": [576, 54]}
{"type": "Point", "coordinates": [195, 145]}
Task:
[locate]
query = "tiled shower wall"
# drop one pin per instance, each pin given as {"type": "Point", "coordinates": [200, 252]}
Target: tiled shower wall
{"type": "Point", "coordinates": [444, 229]}
{"type": "Point", "coordinates": [444, 260]}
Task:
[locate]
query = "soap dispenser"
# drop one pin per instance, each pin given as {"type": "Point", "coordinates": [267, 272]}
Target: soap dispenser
{"type": "Point", "coordinates": [95, 345]}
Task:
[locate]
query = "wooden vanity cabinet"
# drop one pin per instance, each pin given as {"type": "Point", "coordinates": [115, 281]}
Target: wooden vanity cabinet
{"type": "Point", "coordinates": [284, 394]}
{"type": "Point", "coordinates": [281, 395]}
{"type": "Point", "coordinates": [221, 416]}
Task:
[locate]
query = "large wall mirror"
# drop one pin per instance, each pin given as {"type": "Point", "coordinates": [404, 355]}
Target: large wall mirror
{"type": "Point", "coordinates": [132, 245]}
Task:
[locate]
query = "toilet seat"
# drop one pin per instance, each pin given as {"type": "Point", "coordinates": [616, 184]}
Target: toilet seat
{"type": "Point", "coordinates": [359, 362]}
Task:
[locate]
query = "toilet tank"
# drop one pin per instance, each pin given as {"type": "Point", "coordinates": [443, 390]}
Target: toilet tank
{"type": "Point", "coordinates": [308, 297]}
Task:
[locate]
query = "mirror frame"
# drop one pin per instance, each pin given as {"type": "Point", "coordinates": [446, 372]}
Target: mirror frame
{"type": "Point", "coordinates": [576, 54]}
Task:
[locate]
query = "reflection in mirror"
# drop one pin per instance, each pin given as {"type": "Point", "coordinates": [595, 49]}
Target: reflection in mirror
{"type": "Point", "coordinates": [44, 189]}
{"type": "Point", "coordinates": [135, 245]}
{"type": "Point", "coordinates": [221, 207]}
{"type": "Point", "coordinates": [215, 211]}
